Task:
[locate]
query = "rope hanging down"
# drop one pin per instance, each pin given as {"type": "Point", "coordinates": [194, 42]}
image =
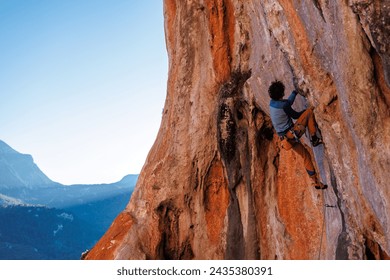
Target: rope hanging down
{"type": "Point", "coordinates": [326, 205]}
{"type": "Point", "coordinates": [323, 227]}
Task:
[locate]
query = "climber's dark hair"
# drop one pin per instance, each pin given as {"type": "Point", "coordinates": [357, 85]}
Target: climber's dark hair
{"type": "Point", "coordinates": [276, 90]}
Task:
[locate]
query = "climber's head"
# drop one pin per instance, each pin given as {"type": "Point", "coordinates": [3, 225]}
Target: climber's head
{"type": "Point", "coordinates": [276, 90]}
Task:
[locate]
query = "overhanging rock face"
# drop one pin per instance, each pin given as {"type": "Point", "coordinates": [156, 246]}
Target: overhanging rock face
{"type": "Point", "coordinates": [217, 185]}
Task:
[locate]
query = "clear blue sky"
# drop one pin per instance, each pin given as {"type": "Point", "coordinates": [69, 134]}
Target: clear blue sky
{"type": "Point", "coordinates": [82, 84]}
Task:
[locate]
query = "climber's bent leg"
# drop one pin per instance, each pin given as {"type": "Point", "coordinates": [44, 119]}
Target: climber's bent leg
{"type": "Point", "coordinates": [314, 181]}
{"type": "Point", "coordinates": [304, 154]}
{"type": "Point", "coordinates": [306, 120]}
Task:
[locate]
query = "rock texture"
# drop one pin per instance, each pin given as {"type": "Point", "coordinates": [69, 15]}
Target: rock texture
{"type": "Point", "coordinates": [217, 185]}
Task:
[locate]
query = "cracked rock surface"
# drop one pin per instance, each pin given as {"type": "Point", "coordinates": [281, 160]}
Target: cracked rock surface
{"type": "Point", "coordinates": [217, 185]}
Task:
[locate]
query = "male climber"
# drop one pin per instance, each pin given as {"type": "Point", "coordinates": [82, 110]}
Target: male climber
{"type": "Point", "coordinates": [281, 115]}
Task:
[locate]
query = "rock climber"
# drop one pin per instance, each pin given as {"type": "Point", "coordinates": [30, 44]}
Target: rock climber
{"type": "Point", "coordinates": [281, 115]}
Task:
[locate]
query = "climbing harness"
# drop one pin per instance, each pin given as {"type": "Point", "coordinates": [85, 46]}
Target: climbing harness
{"type": "Point", "coordinates": [288, 143]}
{"type": "Point", "coordinates": [295, 135]}
{"type": "Point", "coordinates": [297, 131]}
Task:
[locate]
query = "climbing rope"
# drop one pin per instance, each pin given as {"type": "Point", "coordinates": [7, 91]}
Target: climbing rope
{"type": "Point", "coordinates": [326, 205]}
{"type": "Point", "coordinates": [322, 233]}
{"type": "Point", "coordinates": [323, 226]}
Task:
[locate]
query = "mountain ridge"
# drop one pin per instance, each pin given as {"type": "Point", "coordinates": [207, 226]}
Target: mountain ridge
{"type": "Point", "coordinates": [19, 170]}
{"type": "Point", "coordinates": [42, 219]}
{"type": "Point", "coordinates": [22, 179]}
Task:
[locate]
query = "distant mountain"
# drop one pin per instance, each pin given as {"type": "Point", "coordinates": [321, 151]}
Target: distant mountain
{"type": "Point", "coordinates": [60, 196]}
{"type": "Point", "coordinates": [42, 219]}
{"type": "Point", "coordinates": [19, 170]}
{"type": "Point", "coordinates": [21, 178]}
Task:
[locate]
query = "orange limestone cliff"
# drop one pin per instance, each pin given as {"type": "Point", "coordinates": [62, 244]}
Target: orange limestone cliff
{"type": "Point", "coordinates": [217, 185]}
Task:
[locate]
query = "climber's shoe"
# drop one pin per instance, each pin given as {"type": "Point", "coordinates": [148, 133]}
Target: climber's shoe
{"type": "Point", "coordinates": [315, 141]}
{"type": "Point", "coordinates": [320, 186]}
{"type": "Point", "coordinates": [316, 183]}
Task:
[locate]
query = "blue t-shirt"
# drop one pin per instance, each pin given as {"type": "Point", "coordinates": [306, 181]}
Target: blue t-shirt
{"type": "Point", "coordinates": [282, 114]}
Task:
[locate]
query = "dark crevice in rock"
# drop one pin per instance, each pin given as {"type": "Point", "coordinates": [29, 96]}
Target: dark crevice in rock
{"type": "Point", "coordinates": [244, 140]}
{"type": "Point", "coordinates": [383, 89]}
{"type": "Point", "coordinates": [235, 249]}
{"type": "Point", "coordinates": [230, 93]}
{"type": "Point", "coordinates": [232, 122]}
{"type": "Point", "coordinates": [374, 14]}
{"type": "Point", "coordinates": [373, 251]}
{"type": "Point", "coordinates": [333, 183]}
{"type": "Point", "coordinates": [186, 252]}
{"type": "Point", "coordinates": [266, 132]}
{"type": "Point", "coordinates": [343, 241]}
{"type": "Point", "coordinates": [227, 132]}
{"type": "Point", "coordinates": [169, 247]}
{"type": "Point", "coordinates": [234, 86]}
{"type": "Point", "coordinates": [317, 4]}
{"type": "Point", "coordinates": [333, 99]}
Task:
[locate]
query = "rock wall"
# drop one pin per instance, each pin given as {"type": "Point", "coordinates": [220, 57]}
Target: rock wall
{"type": "Point", "coordinates": [217, 185]}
